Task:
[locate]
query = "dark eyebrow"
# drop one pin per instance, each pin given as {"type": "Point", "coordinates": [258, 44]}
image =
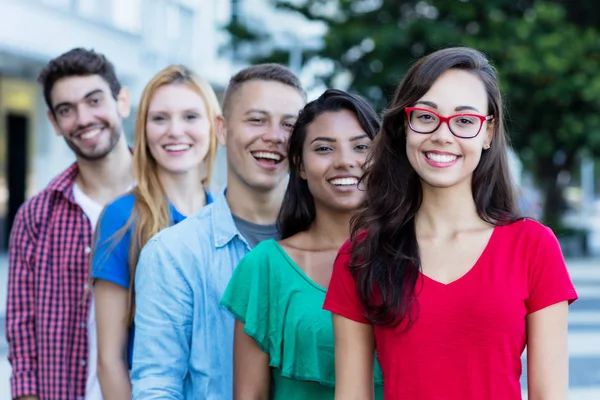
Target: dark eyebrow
{"type": "Point", "coordinates": [88, 95]}
{"type": "Point", "coordinates": [352, 139]}
{"type": "Point", "coordinates": [466, 108]}
{"type": "Point", "coordinates": [93, 92]}
{"type": "Point", "coordinates": [459, 108]}
{"type": "Point", "coordinates": [332, 140]}
{"type": "Point", "coordinates": [427, 103]}
{"type": "Point", "coordinates": [323, 139]}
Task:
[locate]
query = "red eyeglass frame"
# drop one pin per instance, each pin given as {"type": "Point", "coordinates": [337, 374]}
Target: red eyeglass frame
{"type": "Point", "coordinates": [442, 119]}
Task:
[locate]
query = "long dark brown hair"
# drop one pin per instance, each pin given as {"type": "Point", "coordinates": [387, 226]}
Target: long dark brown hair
{"type": "Point", "coordinates": [298, 211]}
{"type": "Point", "coordinates": [385, 254]}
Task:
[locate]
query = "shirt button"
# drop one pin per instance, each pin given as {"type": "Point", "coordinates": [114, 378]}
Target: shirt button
{"type": "Point", "coordinates": [87, 250]}
{"type": "Point", "coordinates": [85, 286]}
{"type": "Point", "coordinates": [83, 363]}
{"type": "Point", "coordinates": [80, 398]}
{"type": "Point", "coordinates": [83, 324]}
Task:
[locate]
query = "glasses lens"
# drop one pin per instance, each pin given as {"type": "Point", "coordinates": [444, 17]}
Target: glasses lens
{"type": "Point", "coordinates": [423, 121]}
{"type": "Point", "coordinates": [465, 125]}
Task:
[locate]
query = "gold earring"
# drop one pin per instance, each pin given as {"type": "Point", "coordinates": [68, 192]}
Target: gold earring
{"type": "Point", "coordinates": [486, 146]}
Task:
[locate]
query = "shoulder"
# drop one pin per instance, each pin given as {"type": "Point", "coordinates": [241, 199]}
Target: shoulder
{"type": "Point", "coordinates": [529, 243]}
{"type": "Point", "coordinates": [35, 211]}
{"type": "Point", "coordinates": [116, 215]}
{"type": "Point", "coordinates": [528, 231]}
{"type": "Point", "coordinates": [262, 252]}
{"type": "Point", "coordinates": [185, 243]}
{"type": "Point", "coordinates": [196, 228]}
{"type": "Point", "coordinates": [122, 205]}
{"type": "Point", "coordinates": [345, 251]}
{"type": "Point", "coordinates": [265, 247]}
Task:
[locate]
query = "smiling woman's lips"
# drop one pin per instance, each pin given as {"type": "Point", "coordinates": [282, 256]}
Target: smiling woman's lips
{"type": "Point", "coordinates": [177, 147]}
{"type": "Point", "coordinates": [440, 160]}
{"type": "Point", "coordinates": [344, 181]}
{"type": "Point", "coordinates": [441, 157]}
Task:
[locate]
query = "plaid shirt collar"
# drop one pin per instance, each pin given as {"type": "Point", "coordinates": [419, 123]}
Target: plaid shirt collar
{"type": "Point", "coordinates": [64, 182]}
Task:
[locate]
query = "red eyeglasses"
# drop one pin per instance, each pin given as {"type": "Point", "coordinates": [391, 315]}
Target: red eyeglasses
{"type": "Point", "coordinates": [466, 126]}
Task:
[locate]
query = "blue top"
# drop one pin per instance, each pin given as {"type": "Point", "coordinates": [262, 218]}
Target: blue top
{"type": "Point", "coordinates": [184, 337]}
{"type": "Point", "coordinates": [111, 253]}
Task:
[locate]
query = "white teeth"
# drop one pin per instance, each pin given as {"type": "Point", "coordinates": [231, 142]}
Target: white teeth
{"type": "Point", "coordinates": [177, 147]}
{"type": "Point", "coordinates": [264, 154]}
{"type": "Point", "coordinates": [344, 181]}
{"type": "Point", "coordinates": [442, 158]}
{"type": "Point", "coordinates": [91, 134]}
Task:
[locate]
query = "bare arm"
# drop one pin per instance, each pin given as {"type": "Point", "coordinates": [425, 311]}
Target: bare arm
{"type": "Point", "coordinates": [252, 375]}
{"type": "Point", "coordinates": [547, 353]}
{"type": "Point", "coordinates": [113, 334]}
{"type": "Point", "coordinates": [354, 358]}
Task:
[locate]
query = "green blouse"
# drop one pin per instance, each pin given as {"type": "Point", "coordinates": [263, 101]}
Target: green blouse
{"type": "Point", "coordinates": [281, 308]}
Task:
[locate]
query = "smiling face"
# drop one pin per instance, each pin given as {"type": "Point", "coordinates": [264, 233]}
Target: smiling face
{"type": "Point", "coordinates": [256, 132]}
{"type": "Point", "coordinates": [177, 129]}
{"type": "Point", "coordinates": [334, 152]}
{"type": "Point", "coordinates": [87, 116]}
{"type": "Point", "coordinates": [440, 158]}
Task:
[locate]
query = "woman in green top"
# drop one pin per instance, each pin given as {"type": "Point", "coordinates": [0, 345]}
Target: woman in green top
{"type": "Point", "coordinates": [284, 345]}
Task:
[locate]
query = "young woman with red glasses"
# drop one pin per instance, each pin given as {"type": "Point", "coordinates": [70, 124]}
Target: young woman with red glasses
{"type": "Point", "coordinates": [442, 276]}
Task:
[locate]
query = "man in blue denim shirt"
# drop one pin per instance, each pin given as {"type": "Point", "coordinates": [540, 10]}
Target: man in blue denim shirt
{"type": "Point", "coordinates": [184, 338]}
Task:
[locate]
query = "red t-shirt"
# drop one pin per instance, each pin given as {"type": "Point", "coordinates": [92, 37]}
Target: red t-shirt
{"type": "Point", "coordinates": [468, 336]}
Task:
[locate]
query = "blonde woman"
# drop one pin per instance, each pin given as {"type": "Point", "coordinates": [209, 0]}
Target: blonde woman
{"type": "Point", "coordinates": [174, 150]}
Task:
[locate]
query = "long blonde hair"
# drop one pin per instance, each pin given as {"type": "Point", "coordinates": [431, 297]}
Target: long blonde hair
{"type": "Point", "coordinates": [151, 212]}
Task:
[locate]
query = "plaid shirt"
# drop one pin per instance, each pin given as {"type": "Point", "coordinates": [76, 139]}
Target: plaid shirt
{"type": "Point", "coordinates": [47, 309]}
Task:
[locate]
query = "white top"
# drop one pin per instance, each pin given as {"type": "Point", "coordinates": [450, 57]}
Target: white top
{"type": "Point", "coordinates": [93, 210]}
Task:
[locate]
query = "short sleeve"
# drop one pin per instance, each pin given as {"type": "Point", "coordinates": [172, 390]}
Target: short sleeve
{"type": "Point", "coordinates": [549, 280]}
{"type": "Point", "coordinates": [110, 260]}
{"type": "Point", "coordinates": [248, 296]}
{"type": "Point", "coordinates": [342, 297]}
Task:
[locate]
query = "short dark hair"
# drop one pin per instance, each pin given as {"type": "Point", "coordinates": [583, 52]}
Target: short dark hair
{"type": "Point", "coordinates": [298, 211]}
{"type": "Point", "coordinates": [262, 72]}
{"type": "Point", "coordinates": [78, 62]}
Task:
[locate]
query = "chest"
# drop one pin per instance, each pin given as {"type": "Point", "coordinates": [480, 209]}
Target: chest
{"type": "Point", "coordinates": [64, 244]}
{"type": "Point", "coordinates": [481, 312]}
{"type": "Point", "coordinates": [446, 261]}
{"type": "Point", "coordinates": [61, 261]}
{"type": "Point", "coordinates": [304, 323]}
{"type": "Point", "coordinates": [214, 269]}
{"type": "Point", "coordinates": [316, 265]}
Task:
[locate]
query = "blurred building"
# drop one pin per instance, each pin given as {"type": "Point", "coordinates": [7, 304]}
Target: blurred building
{"type": "Point", "coordinates": [139, 36]}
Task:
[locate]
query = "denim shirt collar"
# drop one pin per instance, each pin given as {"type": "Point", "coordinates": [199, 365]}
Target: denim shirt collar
{"type": "Point", "coordinates": [224, 229]}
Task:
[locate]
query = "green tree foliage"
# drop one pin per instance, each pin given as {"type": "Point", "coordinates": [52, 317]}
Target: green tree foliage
{"type": "Point", "coordinates": [547, 54]}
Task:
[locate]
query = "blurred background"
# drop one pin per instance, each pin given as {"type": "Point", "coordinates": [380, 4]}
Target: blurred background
{"type": "Point", "coordinates": [547, 53]}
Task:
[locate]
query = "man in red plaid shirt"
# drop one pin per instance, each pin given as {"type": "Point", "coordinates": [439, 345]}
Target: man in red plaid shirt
{"type": "Point", "coordinates": [48, 308]}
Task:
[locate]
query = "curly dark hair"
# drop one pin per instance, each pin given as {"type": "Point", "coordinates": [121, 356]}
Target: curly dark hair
{"type": "Point", "coordinates": [385, 254]}
{"type": "Point", "coordinates": [78, 62]}
{"type": "Point", "coordinates": [298, 212]}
